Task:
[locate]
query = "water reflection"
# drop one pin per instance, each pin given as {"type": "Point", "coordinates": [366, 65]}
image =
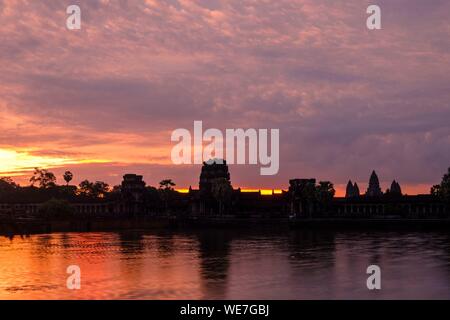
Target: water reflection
{"type": "Point", "coordinates": [165, 245]}
{"type": "Point", "coordinates": [226, 264]}
{"type": "Point", "coordinates": [214, 251]}
{"type": "Point", "coordinates": [131, 243]}
{"type": "Point", "coordinates": [312, 248]}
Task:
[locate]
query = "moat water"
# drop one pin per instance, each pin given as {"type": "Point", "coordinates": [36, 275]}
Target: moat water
{"type": "Point", "coordinates": [226, 264]}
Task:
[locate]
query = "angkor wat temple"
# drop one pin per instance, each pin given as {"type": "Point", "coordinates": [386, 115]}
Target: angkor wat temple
{"type": "Point", "coordinates": [215, 197]}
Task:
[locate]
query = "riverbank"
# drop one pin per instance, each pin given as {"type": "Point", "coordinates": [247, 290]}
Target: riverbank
{"type": "Point", "coordinates": [36, 226]}
{"type": "Point", "coordinates": [383, 224]}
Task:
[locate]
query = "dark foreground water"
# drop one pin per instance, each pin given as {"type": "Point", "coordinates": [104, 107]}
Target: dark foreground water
{"type": "Point", "coordinates": [226, 264]}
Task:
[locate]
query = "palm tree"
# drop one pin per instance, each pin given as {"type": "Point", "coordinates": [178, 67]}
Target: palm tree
{"type": "Point", "coordinates": [165, 191]}
{"type": "Point", "coordinates": [68, 176]}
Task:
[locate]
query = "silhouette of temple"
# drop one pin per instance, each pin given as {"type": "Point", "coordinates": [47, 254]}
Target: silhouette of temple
{"type": "Point", "coordinates": [202, 201]}
{"type": "Point", "coordinates": [305, 198]}
{"type": "Point", "coordinates": [132, 194]}
{"type": "Point", "coordinates": [206, 201]}
{"type": "Point", "coordinates": [212, 170]}
{"type": "Point", "coordinates": [133, 186]}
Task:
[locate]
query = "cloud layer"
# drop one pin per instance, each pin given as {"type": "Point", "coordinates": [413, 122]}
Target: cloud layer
{"type": "Point", "coordinates": [346, 100]}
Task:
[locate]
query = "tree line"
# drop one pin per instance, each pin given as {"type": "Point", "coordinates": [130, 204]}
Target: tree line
{"type": "Point", "coordinates": [42, 187]}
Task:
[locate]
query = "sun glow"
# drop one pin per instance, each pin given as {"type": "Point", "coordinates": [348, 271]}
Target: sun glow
{"type": "Point", "coordinates": [269, 192]}
{"type": "Point", "coordinates": [263, 192]}
{"type": "Point", "coordinates": [14, 163]}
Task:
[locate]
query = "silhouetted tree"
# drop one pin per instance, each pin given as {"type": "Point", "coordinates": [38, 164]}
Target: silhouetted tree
{"type": "Point", "coordinates": [152, 197]}
{"type": "Point", "coordinates": [100, 189]}
{"type": "Point", "coordinates": [96, 189]}
{"type": "Point", "coordinates": [443, 190]}
{"type": "Point", "coordinates": [167, 184]}
{"type": "Point", "coordinates": [435, 190]}
{"type": "Point", "coordinates": [117, 188]}
{"type": "Point", "coordinates": [86, 187]}
{"type": "Point", "coordinates": [7, 184]}
{"type": "Point", "coordinates": [166, 192]}
{"type": "Point", "coordinates": [44, 178]}
{"type": "Point", "coordinates": [68, 176]}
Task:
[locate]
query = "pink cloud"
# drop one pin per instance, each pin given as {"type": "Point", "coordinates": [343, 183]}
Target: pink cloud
{"type": "Point", "coordinates": [346, 100]}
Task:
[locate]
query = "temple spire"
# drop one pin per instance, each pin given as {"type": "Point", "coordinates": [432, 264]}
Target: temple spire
{"type": "Point", "coordinates": [395, 188]}
{"type": "Point", "coordinates": [356, 190]}
{"type": "Point", "coordinates": [374, 189]}
{"type": "Point", "coordinates": [349, 189]}
{"type": "Point", "coordinates": [352, 190]}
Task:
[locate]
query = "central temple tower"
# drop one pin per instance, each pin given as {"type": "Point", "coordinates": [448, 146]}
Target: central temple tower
{"type": "Point", "coordinates": [374, 189]}
{"type": "Point", "coordinates": [211, 170]}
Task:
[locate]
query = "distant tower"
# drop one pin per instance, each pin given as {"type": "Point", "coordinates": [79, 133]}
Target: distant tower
{"type": "Point", "coordinates": [352, 190]}
{"type": "Point", "coordinates": [133, 186]}
{"type": "Point", "coordinates": [349, 191]}
{"type": "Point", "coordinates": [132, 190]}
{"type": "Point", "coordinates": [374, 189]}
{"type": "Point", "coordinates": [395, 188]}
{"type": "Point", "coordinates": [356, 190]}
{"type": "Point", "coordinates": [213, 169]}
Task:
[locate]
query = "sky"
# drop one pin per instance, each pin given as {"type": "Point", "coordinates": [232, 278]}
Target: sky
{"type": "Point", "coordinates": [103, 101]}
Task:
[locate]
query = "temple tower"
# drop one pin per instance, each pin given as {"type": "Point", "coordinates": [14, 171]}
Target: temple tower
{"type": "Point", "coordinates": [395, 189]}
{"type": "Point", "coordinates": [356, 190]}
{"type": "Point", "coordinates": [213, 169]}
{"type": "Point", "coordinates": [133, 185]}
{"type": "Point", "coordinates": [349, 190]}
{"type": "Point", "coordinates": [352, 190]}
{"type": "Point", "coordinates": [374, 189]}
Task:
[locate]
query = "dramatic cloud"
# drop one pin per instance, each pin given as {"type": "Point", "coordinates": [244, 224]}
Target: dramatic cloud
{"type": "Point", "coordinates": [104, 100]}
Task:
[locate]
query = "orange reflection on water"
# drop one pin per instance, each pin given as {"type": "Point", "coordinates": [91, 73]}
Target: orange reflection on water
{"type": "Point", "coordinates": [221, 263]}
{"type": "Point", "coordinates": [110, 263]}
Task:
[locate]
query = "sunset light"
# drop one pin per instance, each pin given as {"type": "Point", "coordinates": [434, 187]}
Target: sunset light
{"type": "Point", "coordinates": [17, 163]}
{"type": "Point", "coordinates": [225, 155]}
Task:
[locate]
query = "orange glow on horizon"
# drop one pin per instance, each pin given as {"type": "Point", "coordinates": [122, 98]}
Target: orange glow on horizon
{"type": "Point", "coordinates": [340, 191]}
{"type": "Point", "coordinates": [16, 162]}
{"type": "Point", "coordinates": [20, 163]}
{"type": "Point", "coordinates": [263, 192]}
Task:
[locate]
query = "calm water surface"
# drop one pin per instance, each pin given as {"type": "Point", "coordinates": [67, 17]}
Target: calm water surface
{"type": "Point", "coordinates": [226, 264]}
